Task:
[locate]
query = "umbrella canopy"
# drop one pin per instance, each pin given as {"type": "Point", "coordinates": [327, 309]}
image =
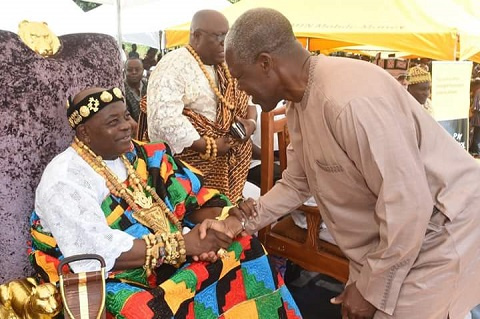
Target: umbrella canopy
{"type": "Point", "coordinates": [470, 41]}
{"type": "Point", "coordinates": [401, 25]}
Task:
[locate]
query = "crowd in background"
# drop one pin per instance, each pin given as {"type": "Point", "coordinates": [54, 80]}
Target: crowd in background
{"type": "Point", "coordinates": [138, 68]}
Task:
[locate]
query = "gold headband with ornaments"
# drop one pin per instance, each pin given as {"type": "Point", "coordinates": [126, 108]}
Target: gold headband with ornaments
{"type": "Point", "coordinates": [86, 108]}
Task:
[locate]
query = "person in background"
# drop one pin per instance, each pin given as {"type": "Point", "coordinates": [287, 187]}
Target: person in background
{"type": "Point", "coordinates": [135, 86]}
{"type": "Point", "coordinates": [133, 54]}
{"type": "Point", "coordinates": [419, 86]}
{"type": "Point", "coordinates": [123, 53]}
{"type": "Point", "coordinates": [398, 194]}
{"type": "Point", "coordinates": [150, 59]}
{"type": "Point", "coordinates": [193, 104]}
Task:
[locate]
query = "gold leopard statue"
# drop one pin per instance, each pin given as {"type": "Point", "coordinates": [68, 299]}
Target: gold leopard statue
{"type": "Point", "coordinates": [25, 299]}
{"type": "Point", "coordinates": [38, 37]}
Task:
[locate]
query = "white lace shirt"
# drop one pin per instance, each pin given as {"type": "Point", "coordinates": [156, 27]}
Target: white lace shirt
{"type": "Point", "coordinates": [68, 201]}
{"type": "Point", "coordinates": [178, 82]}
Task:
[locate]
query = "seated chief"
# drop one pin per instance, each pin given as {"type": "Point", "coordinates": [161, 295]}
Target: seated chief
{"type": "Point", "coordinates": [128, 202]}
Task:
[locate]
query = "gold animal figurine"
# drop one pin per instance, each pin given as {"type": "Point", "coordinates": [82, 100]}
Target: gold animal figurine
{"type": "Point", "coordinates": [25, 299]}
{"type": "Point", "coordinates": [39, 38]}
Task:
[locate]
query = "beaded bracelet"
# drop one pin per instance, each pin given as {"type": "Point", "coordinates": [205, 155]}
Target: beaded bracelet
{"type": "Point", "coordinates": [175, 251]}
{"type": "Point", "coordinates": [215, 149]}
{"type": "Point", "coordinates": [158, 252]}
{"type": "Point", "coordinates": [208, 148]}
{"type": "Point", "coordinates": [211, 149]}
{"type": "Point", "coordinates": [150, 261]}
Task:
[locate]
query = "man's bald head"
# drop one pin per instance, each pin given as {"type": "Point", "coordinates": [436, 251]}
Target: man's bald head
{"type": "Point", "coordinates": [203, 19]}
{"type": "Point", "coordinates": [207, 35]}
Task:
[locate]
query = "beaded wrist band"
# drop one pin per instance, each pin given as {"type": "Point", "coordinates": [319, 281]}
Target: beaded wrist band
{"type": "Point", "coordinates": [150, 260]}
{"type": "Point", "coordinates": [174, 248]}
{"type": "Point", "coordinates": [211, 149]}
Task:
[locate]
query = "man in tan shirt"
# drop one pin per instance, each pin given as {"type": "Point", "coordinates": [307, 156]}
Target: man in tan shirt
{"type": "Point", "coordinates": [398, 194]}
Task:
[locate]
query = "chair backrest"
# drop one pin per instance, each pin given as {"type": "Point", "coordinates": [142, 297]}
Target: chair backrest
{"type": "Point", "coordinates": [34, 127]}
{"type": "Point", "coordinates": [271, 127]}
{"type": "Point", "coordinates": [303, 247]}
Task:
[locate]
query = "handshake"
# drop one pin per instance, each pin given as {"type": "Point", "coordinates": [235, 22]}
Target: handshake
{"type": "Point", "coordinates": [223, 229]}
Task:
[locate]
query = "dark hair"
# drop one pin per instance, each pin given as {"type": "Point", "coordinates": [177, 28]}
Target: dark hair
{"type": "Point", "coordinates": [152, 50]}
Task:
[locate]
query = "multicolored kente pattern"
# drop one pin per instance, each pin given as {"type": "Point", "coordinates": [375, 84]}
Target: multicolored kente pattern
{"type": "Point", "coordinates": [242, 285]}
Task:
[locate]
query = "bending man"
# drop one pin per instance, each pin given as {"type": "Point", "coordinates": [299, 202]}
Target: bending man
{"type": "Point", "coordinates": [398, 194]}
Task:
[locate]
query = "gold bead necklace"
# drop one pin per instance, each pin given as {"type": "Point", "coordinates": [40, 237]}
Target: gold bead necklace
{"type": "Point", "coordinates": [212, 83]}
{"type": "Point", "coordinates": [133, 198]}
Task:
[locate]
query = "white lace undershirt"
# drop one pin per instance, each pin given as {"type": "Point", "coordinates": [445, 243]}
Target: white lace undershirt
{"type": "Point", "coordinates": [68, 201]}
{"type": "Point", "coordinates": [178, 82]}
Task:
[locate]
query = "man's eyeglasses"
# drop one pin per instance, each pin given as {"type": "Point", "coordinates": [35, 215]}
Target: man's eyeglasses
{"type": "Point", "coordinates": [218, 37]}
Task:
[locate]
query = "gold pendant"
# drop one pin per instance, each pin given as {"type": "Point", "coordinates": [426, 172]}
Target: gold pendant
{"type": "Point", "coordinates": [154, 218]}
{"type": "Point", "coordinates": [142, 200]}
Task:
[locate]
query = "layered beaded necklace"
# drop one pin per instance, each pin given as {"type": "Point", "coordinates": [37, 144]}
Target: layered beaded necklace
{"type": "Point", "coordinates": [212, 83]}
{"type": "Point", "coordinates": [151, 213]}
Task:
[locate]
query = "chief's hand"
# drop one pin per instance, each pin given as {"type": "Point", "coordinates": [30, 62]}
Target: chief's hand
{"type": "Point", "coordinates": [224, 144]}
{"type": "Point", "coordinates": [211, 256]}
{"type": "Point", "coordinates": [354, 306]}
{"type": "Point", "coordinates": [211, 241]}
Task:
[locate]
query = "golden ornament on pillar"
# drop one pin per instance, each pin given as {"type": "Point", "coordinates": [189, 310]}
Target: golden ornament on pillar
{"type": "Point", "coordinates": [38, 37]}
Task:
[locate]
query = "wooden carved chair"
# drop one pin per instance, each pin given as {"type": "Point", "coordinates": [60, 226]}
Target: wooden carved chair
{"type": "Point", "coordinates": [285, 238]}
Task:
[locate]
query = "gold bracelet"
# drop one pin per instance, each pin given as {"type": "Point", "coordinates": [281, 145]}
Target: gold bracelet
{"type": "Point", "coordinates": [158, 252]}
{"type": "Point", "coordinates": [224, 214]}
{"type": "Point", "coordinates": [172, 251]}
{"type": "Point", "coordinates": [150, 261]}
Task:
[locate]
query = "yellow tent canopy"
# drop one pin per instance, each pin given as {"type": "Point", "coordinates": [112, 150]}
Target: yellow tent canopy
{"type": "Point", "coordinates": [470, 40]}
{"type": "Point", "coordinates": [400, 25]}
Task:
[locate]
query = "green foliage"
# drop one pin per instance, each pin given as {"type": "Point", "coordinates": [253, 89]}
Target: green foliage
{"type": "Point", "coordinates": [86, 6]}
